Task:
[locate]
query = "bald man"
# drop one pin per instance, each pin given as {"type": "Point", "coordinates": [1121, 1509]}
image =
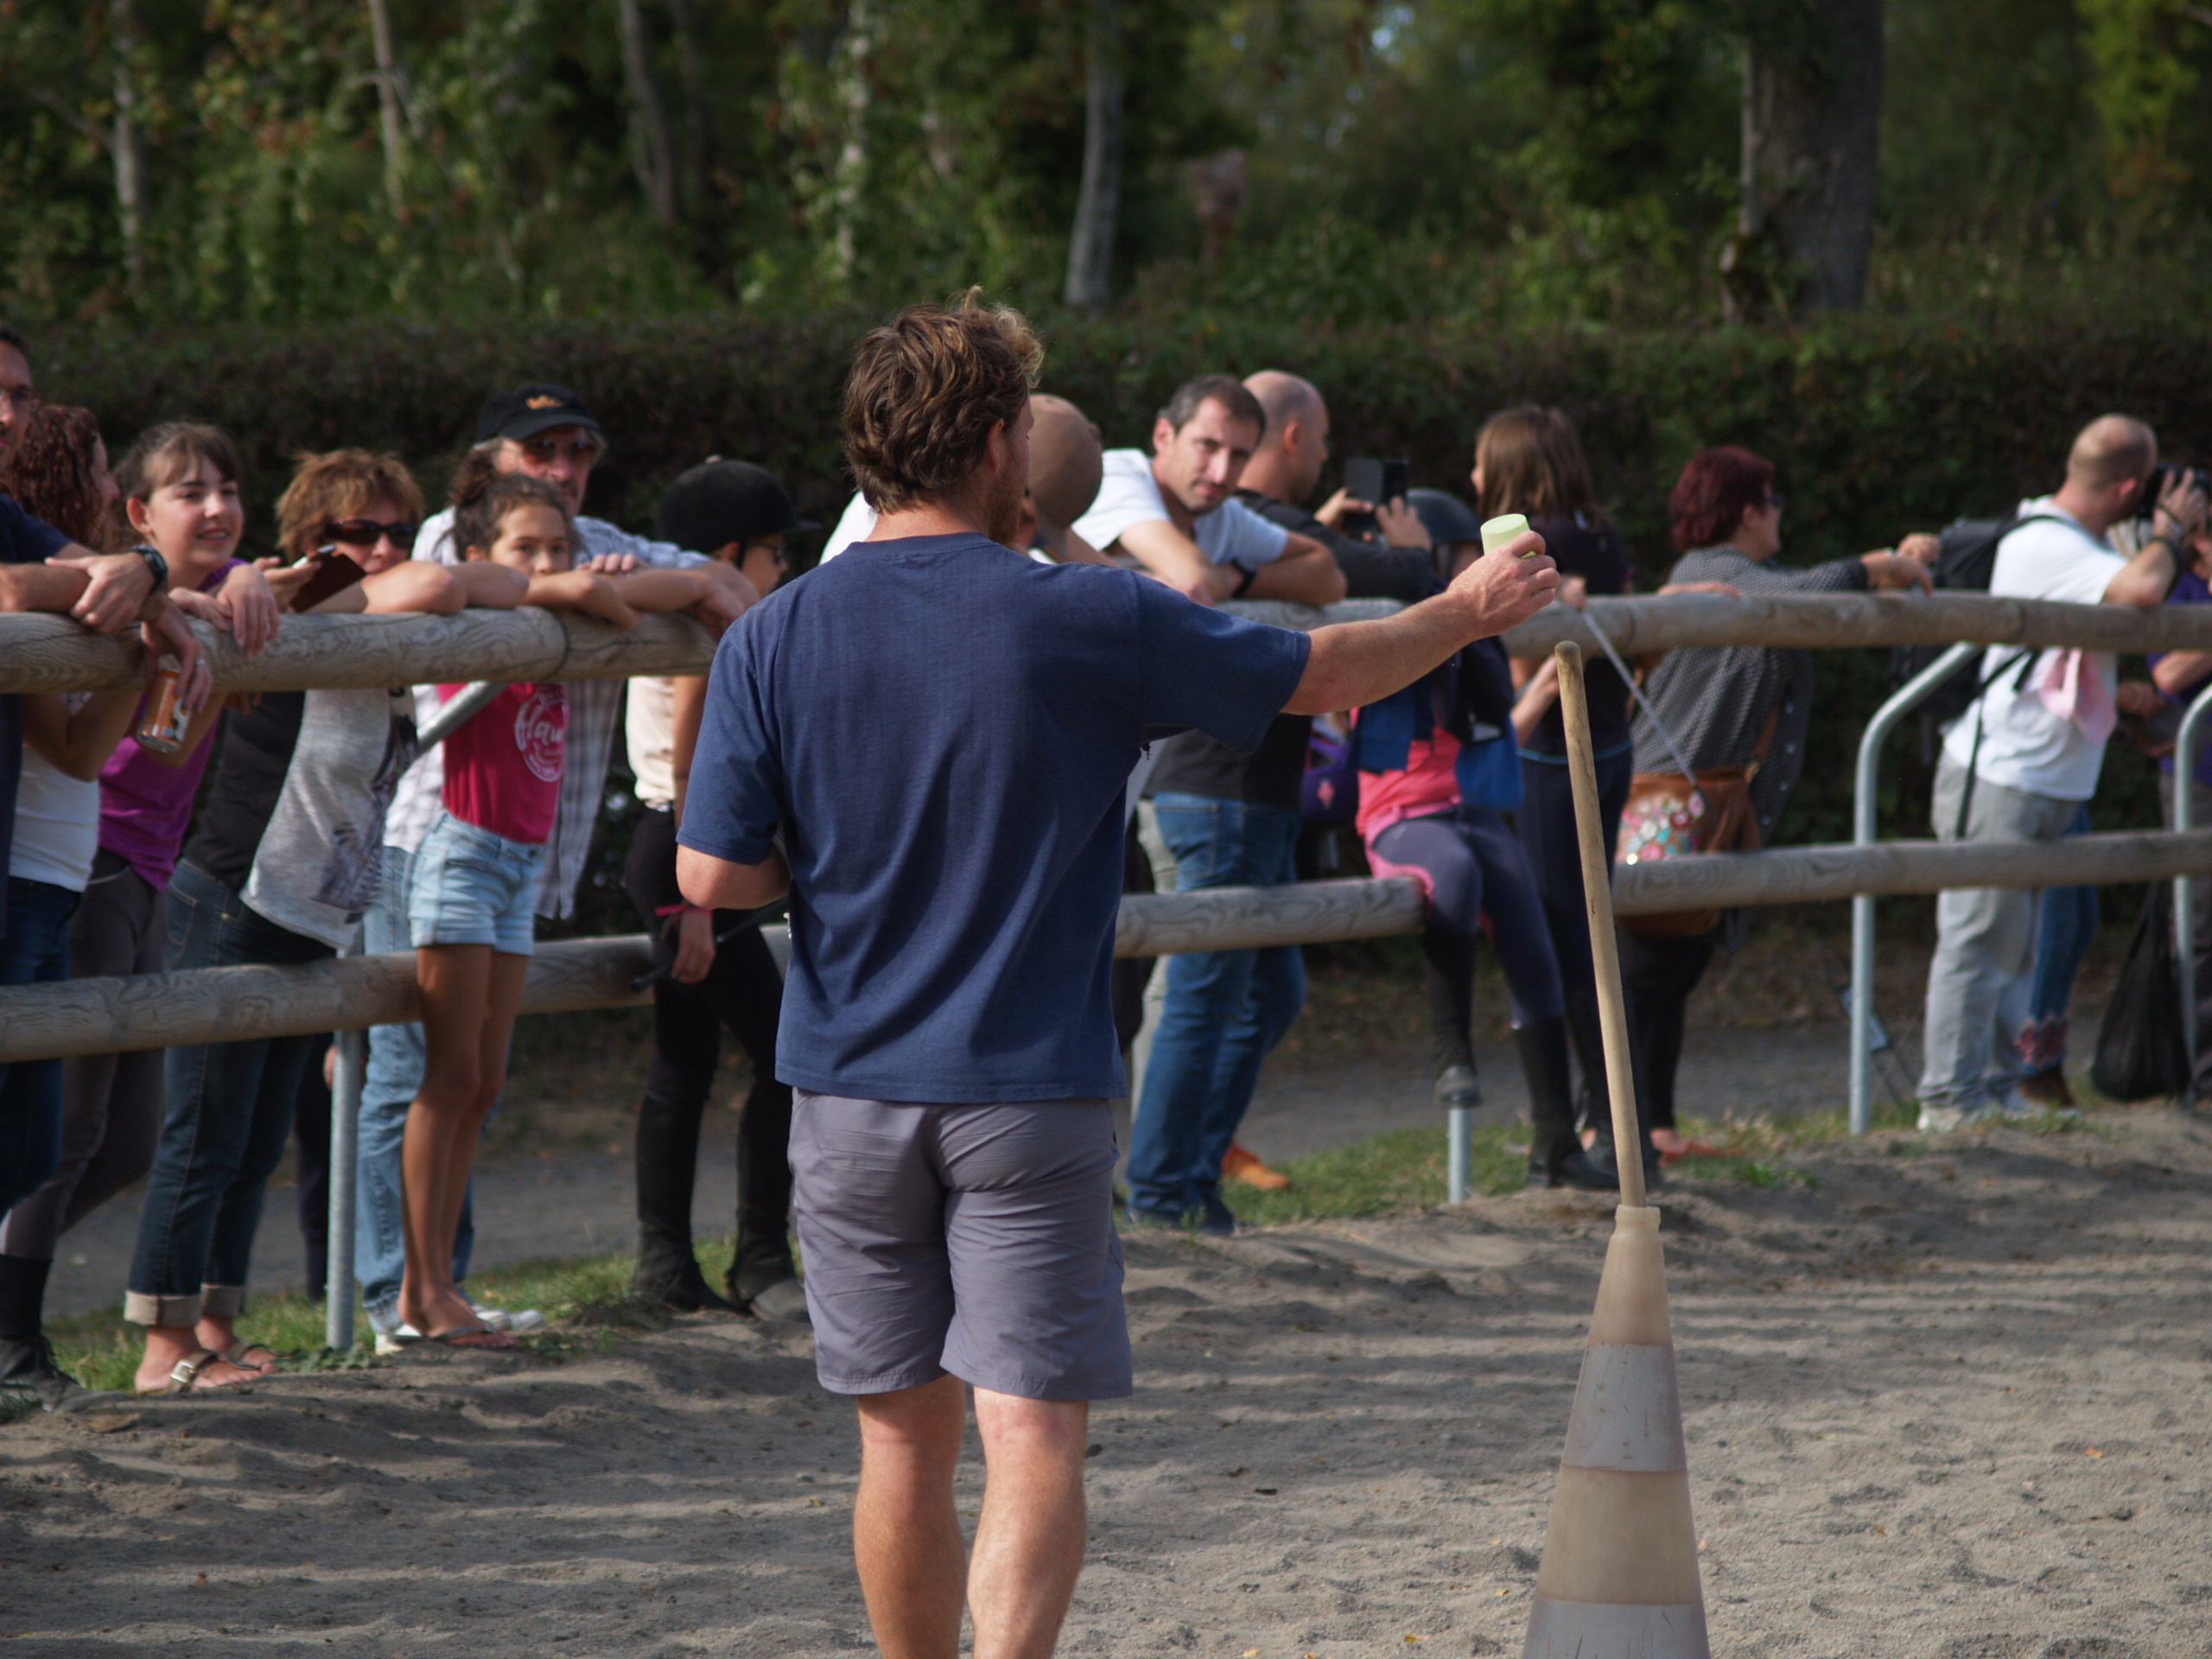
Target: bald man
{"type": "Point", "coordinates": [1066, 460]}
{"type": "Point", "coordinates": [2016, 767]}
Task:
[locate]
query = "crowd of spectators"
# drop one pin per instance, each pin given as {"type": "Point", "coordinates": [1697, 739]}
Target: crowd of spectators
{"type": "Point", "coordinates": [284, 828]}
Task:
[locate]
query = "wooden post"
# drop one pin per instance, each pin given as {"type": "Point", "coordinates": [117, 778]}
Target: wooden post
{"type": "Point", "coordinates": [1598, 900]}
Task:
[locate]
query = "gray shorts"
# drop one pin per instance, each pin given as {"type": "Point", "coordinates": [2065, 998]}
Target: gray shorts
{"type": "Point", "coordinates": [977, 1240]}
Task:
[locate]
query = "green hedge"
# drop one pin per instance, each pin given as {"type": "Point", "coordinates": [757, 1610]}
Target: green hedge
{"type": "Point", "coordinates": [1878, 428]}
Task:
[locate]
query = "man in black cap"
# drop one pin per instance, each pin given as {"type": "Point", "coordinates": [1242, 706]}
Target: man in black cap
{"type": "Point", "coordinates": [714, 969]}
{"type": "Point", "coordinates": [545, 430]}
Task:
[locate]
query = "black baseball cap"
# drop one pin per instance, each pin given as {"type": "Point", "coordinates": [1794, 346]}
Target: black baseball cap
{"type": "Point", "coordinates": [720, 501]}
{"type": "Point", "coordinates": [527, 410]}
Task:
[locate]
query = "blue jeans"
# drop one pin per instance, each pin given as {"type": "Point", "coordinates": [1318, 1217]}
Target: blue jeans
{"type": "Point", "coordinates": [2065, 926]}
{"type": "Point", "coordinates": [227, 1116]}
{"type": "Point", "coordinates": [34, 949]}
{"type": "Point", "coordinates": [394, 1078]}
{"type": "Point", "coordinates": [1225, 1009]}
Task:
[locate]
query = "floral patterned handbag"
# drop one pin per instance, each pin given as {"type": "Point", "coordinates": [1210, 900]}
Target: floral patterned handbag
{"type": "Point", "coordinates": [1679, 814]}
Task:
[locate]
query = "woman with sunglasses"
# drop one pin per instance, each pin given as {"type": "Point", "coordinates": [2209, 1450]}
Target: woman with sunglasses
{"type": "Point", "coordinates": [286, 855]}
{"type": "Point", "coordinates": [1725, 706]}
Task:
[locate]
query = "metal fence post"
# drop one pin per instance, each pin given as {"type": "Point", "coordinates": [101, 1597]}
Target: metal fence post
{"type": "Point", "coordinates": [2186, 743]}
{"type": "Point", "coordinates": [344, 1143]}
{"type": "Point", "coordinates": [1460, 1166]}
{"type": "Point", "coordinates": [1865, 801]}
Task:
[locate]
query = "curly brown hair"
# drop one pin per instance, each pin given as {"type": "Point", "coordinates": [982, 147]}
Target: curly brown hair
{"type": "Point", "coordinates": [925, 390]}
{"type": "Point", "coordinates": [486, 501]}
{"type": "Point", "coordinates": [54, 470]}
{"type": "Point", "coordinates": [341, 484]}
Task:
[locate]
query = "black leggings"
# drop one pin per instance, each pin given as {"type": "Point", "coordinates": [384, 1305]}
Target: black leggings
{"type": "Point", "coordinates": [1657, 977]}
{"type": "Point", "coordinates": [745, 992]}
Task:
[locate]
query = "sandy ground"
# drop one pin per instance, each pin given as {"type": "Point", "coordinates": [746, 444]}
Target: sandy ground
{"type": "Point", "coordinates": [1949, 1399]}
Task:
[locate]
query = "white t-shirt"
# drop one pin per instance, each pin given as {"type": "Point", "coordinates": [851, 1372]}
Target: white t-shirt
{"type": "Point", "coordinates": [2023, 745]}
{"type": "Point", "coordinates": [57, 822]}
{"type": "Point", "coordinates": [650, 729]}
{"type": "Point", "coordinates": [1128, 494]}
{"type": "Point", "coordinates": [857, 524]}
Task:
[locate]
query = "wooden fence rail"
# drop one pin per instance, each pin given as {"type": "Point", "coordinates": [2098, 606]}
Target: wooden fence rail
{"type": "Point", "coordinates": [49, 653]}
{"type": "Point", "coordinates": [97, 1016]}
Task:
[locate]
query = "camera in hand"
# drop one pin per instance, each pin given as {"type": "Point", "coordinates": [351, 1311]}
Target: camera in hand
{"type": "Point", "coordinates": [1378, 482]}
{"type": "Point", "coordinates": [2162, 478]}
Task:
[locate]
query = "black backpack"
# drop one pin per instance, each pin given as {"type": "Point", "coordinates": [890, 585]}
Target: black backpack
{"type": "Point", "coordinates": [1968, 559]}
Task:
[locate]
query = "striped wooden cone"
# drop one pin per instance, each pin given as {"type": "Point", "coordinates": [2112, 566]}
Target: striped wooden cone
{"type": "Point", "coordinates": [1619, 1576]}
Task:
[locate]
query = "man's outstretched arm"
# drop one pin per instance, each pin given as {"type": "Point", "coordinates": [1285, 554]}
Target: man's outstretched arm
{"type": "Point", "coordinates": [723, 884]}
{"type": "Point", "coordinates": [1354, 663]}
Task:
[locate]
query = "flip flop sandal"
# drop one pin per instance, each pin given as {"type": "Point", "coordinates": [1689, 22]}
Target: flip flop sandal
{"type": "Point", "coordinates": [238, 1355]}
{"type": "Point", "coordinates": [479, 1338]}
{"type": "Point", "coordinates": [184, 1376]}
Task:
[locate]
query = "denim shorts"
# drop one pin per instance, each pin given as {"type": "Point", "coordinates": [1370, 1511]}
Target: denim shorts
{"type": "Point", "coordinates": [473, 888]}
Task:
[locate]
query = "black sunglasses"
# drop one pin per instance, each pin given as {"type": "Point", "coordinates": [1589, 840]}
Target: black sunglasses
{"type": "Point", "coordinates": [367, 532]}
{"type": "Point", "coordinates": [544, 449]}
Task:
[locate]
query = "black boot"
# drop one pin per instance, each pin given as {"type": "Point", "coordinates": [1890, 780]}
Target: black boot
{"type": "Point", "coordinates": [668, 1159]}
{"type": "Point", "coordinates": [1596, 1104]}
{"type": "Point", "coordinates": [1449, 957]}
{"type": "Point", "coordinates": [1555, 1155]}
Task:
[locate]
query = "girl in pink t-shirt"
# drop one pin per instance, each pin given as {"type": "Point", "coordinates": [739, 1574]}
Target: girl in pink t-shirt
{"type": "Point", "coordinates": [475, 881]}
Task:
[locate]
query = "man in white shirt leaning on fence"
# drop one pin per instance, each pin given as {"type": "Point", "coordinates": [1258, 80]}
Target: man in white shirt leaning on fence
{"type": "Point", "coordinates": [1175, 511]}
{"type": "Point", "coordinates": [2018, 765]}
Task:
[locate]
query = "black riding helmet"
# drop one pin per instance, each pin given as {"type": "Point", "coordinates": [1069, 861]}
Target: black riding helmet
{"type": "Point", "coordinates": [1446, 517]}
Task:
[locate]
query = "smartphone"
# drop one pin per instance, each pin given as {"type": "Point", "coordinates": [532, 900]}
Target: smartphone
{"type": "Point", "coordinates": [335, 572]}
{"type": "Point", "coordinates": [1367, 478]}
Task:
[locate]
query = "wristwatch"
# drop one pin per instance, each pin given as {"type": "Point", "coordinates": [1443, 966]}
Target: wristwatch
{"type": "Point", "coordinates": [1251, 575]}
{"type": "Point", "coordinates": [157, 563]}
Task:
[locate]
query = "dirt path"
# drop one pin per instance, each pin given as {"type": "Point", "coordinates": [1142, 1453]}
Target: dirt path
{"type": "Point", "coordinates": [1950, 1400]}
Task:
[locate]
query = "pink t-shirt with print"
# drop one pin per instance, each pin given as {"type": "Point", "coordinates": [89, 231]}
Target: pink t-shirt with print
{"type": "Point", "coordinates": [503, 767]}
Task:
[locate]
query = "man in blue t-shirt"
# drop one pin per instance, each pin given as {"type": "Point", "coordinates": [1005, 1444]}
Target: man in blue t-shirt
{"type": "Point", "coordinates": [923, 745]}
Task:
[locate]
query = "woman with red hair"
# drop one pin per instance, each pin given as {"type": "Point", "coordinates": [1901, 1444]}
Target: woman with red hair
{"type": "Point", "coordinates": [1727, 706]}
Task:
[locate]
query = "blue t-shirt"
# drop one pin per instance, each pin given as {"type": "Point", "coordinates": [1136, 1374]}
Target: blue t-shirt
{"type": "Point", "coordinates": [24, 540]}
{"type": "Point", "coordinates": [941, 729]}
{"type": "Point", "coordinates": [2188, 588]}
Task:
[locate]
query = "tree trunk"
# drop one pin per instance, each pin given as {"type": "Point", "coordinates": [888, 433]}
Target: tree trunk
{"type": "Point", "coordinates": [1090, 246]}
{"type": "Point", "coordinates": [852, 159]}
{"type": "Point", "coordinates": [1812, 125]}
{"type": "Point", "coordinates": [388, 112]}
{"type": "Point", "coordinates": [126, 148]}
{"type": "Point", "coordinates": [652, 150]}
{"type": "Point", "coordinates": [698, 120]}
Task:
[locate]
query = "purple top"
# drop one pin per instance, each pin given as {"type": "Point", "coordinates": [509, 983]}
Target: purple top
{"type": "Point", "coordinates": [2188, 588]}
{"type": "Point", "coordinates": [146, 806]}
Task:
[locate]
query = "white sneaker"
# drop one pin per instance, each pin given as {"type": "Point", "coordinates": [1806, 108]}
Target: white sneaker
{"type": "Point", "coordinates": [1944, 1120]}
{"type": "Point", "coordinates": [397, 1339]}
{"type": "Point", "coordinates": [518, 1321]}
{"type": "Point", "coordinates": [2017, 1107]}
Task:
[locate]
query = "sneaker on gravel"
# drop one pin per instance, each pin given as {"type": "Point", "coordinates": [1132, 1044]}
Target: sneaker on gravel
{"type": "Point", "coordinates": [2018, 1107]}
{"type": "Point", "coordinates": [1942, 1120]}
{"type": "Point", "coordinates": [396, 1340]}
{"type": "Point", "coordinates": [1217, 1220]}
{"type": "Point", "coordinates": [785, 1299]}
{"type": "Point", "coordinates": [30, 1377]}
{"type": "Point", "coordinates": [518, 1322]}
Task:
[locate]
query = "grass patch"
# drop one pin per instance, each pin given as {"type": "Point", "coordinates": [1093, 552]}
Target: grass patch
{"type": "Point", "coordinates": [586, 1299]}
{"type": "Point", "coordinates": [1403, 1170]}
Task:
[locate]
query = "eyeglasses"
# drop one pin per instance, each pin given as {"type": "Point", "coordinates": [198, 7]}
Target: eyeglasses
{"type": "Point", "coordinates": [367, 532]}
{"type": "Point", "coordinates": [543, 450]}
{"type": "Point", "coordinates": [22, 400]}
